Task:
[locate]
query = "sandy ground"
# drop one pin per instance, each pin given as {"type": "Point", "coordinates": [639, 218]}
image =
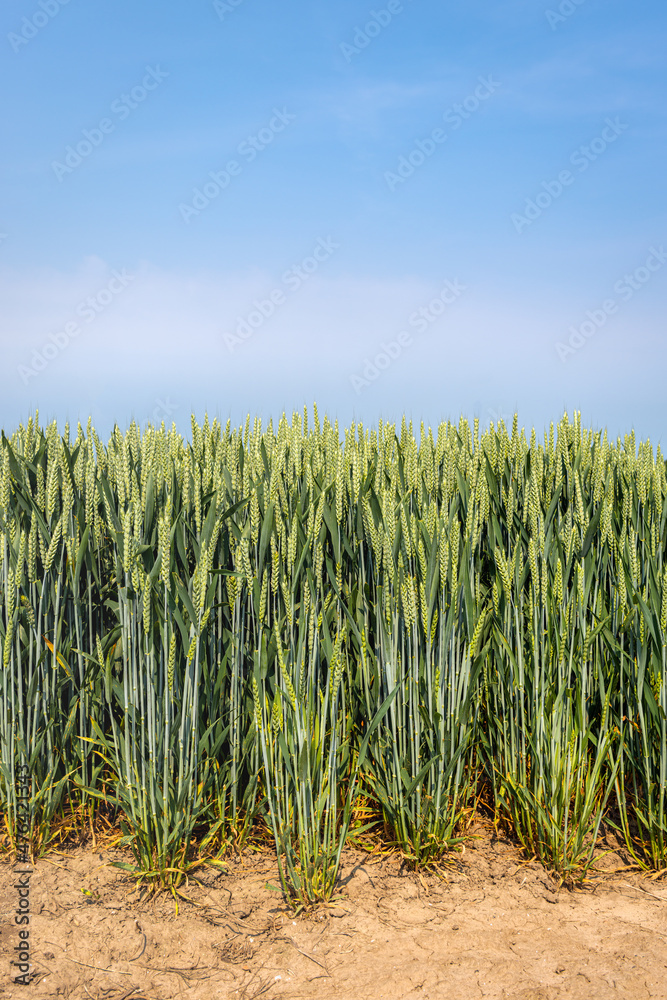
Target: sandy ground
{"type": "Point", "coordinates": [494, 928]}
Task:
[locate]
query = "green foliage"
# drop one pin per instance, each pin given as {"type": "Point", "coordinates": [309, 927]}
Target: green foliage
{"type": "Point", "coordinates": [250, 623]}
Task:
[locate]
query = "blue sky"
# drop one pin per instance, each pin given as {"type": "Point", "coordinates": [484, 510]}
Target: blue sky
{"type": "Point", "coordinates": [413, 207]}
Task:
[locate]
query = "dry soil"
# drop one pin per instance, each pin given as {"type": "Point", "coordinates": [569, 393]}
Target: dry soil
{"type": "Point", "coordinates": [494, 927]}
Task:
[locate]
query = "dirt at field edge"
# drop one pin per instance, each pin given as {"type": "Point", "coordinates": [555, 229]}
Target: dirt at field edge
{"type": "Point", "coordinates": [494, 927]}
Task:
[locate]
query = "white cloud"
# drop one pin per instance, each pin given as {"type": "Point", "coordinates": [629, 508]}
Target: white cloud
{"type": "Point", "coordinates": [161, 338]}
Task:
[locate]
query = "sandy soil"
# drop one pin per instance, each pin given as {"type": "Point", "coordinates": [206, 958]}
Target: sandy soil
{"type": "Point", "coordinates": [495, 928]}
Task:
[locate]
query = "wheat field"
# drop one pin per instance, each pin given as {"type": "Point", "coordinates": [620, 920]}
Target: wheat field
{"type": "Point", "coordinates": [330, 630]}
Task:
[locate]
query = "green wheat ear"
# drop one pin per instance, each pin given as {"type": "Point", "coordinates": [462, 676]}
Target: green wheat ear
{"type": "Point", "coordinates": [290, 614]}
